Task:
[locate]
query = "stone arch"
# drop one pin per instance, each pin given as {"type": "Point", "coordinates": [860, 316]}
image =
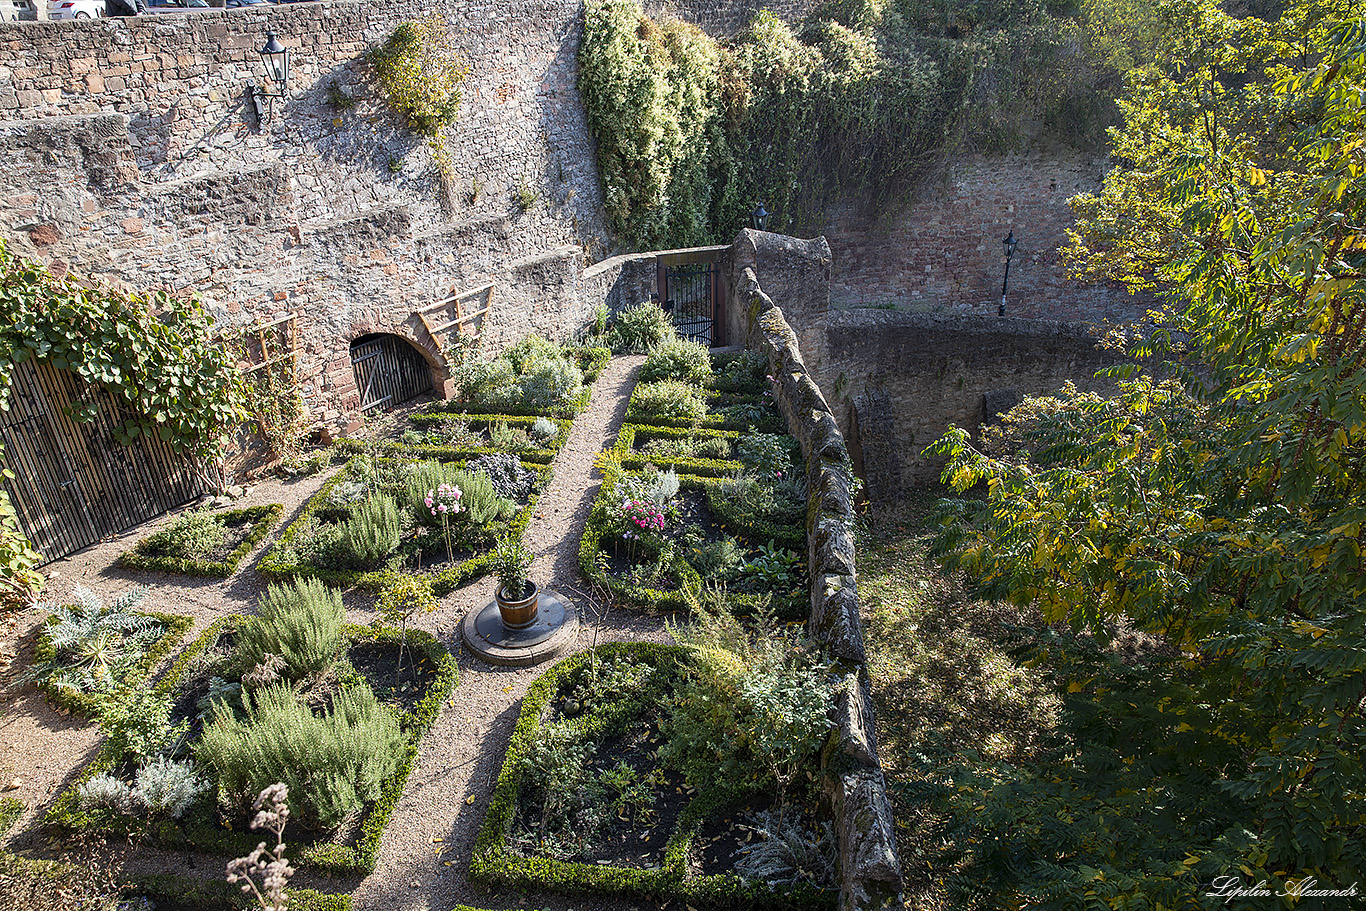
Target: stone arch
{"type": "Point", "coordinates": [391, 369]}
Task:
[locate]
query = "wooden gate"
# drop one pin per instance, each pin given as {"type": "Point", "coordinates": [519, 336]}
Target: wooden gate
{"type": "Point", "coordinates": [690, 299]}
{"type": "Point", "coordinates": [389, 371]}
{"type": "Point", "coordinates": [74, 483]}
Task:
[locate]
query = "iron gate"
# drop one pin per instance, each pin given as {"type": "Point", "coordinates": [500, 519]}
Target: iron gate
{"type": "Point", "coordinates": [389, 371]}
{"type": "Point", "coordinates": [74, 483]}
{"type": "Point", "coordinates": [690, 299]}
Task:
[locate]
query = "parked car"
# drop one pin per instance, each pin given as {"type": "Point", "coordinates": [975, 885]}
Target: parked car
{"type": "Point", "coordinates": [75, 9]}
{"type": "Point", "coordinates": [175, 6]}
{"type": "Point", "coordinates": [235, 4]}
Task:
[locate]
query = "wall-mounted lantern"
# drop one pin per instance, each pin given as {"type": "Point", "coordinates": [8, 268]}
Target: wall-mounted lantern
{"type": "Point", "coordinates": [275, 56]}
{"type": "Point", "coordinates": [758, 219]}
{"type": "Point", "coordinates": [1009, 245]}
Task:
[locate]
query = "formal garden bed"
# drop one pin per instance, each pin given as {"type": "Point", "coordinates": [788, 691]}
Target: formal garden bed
{"type": "Point", "coordinates": [534, 378]}
{"type": "Point", "coordinates": [686, 504]}
{"type": "Point", "coordinates": [445, 435]}
{"type": "Point", "coordinates": [373, 520]}
{"type": "Point", "coordinates": [88, 652]}
{"type": "Point", "coordinates": [203, 543]}
{"type": "Point", "coordinates": [657, 538]}
{"type": "Point", "coordinates": [294, 696]}
{"type": "Point", "coordinates": [679, 772]}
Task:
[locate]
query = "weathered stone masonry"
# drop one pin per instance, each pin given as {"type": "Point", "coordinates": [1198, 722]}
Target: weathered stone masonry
{"type": "Point", "coordinates": [132, 155]}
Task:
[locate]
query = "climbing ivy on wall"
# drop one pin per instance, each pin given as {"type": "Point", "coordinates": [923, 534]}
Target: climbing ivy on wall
{"type": "Point", "coordinates": [855, 100]}
{"type": "Point", "coordinates": [152, 352]}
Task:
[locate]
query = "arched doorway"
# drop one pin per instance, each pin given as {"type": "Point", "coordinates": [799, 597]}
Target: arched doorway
{"type": "Point", "coordinates": [389, 371]}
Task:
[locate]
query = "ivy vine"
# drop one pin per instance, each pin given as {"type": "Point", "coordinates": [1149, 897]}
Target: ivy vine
{"type": "Point", "coordinates": [273, 399]}
{"type": "Point", "coordinates": [855, 100]}
{"type": "Point", "coordinates": [152, 352]}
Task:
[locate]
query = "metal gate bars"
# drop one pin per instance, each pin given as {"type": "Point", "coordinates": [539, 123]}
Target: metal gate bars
{"type": "Point", "coordinates": [388, 370]}
{"type": "Point", "coordinates": [74, 483]}
{"type": "Point", "coordinates": [690, 300]}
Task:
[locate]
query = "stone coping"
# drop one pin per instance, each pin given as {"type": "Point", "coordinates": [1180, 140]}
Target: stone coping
{"type": "Point", "coordinates": [855, 791]}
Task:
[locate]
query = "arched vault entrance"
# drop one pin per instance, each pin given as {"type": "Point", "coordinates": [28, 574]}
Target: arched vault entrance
{"type": "Point", "coordinates": [389, 370]}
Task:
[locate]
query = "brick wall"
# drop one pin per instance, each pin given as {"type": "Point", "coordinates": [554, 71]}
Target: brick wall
{"type": "Point", "coordinates": [944, 252]}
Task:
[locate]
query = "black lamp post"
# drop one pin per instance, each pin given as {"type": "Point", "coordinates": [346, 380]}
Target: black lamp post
{"type": "Point", "coordinates": [275, 56]}
{"type": "Point", "coordinates": [1009, 245]}
{"type": "Point", "coordinates": [758, 219]}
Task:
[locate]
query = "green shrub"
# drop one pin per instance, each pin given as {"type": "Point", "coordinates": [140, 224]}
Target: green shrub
{"type": "Point", "coordinates": [746, 372]}
{"type": "Point", "coordinates": [533, 374]}
{"type": "Point", "coordinates": [485, 382]}
{"type": "Point", "coordinates": [373, 533]}
{"type": "Point", "coordinates": [642, 327]}
{"type": "Point", "coordinates": [194, 535]}
{"type": "Point", "coordinates": [424, 477]}
{"type": "Point", "coordinates": [713, 448]}
{"type": "Point", "coordinates": [715, 559]}
{"type": "Point", "coordinates": [301, 622]}
{"type": "Point", "coordinates": [677, 359]}
{"type": "Point", "coordinates": [419, 75]}
{"type": "Point", "coordinates": [668, 399]}
{"type": "Point", "coordinates": [93, 645]}
{"type": "Point", "coordinates": [482, 503]}
{"type": "Point", "coordinates": [510, 478]}
{"type": "Point", "coordinates": [770, 452]}
{"type": "Point", "coordinates": [332, 763]}
{"type": "Point", "coordinates": [544, 431]}
{"type": "Point", "coordinates": [167, 787]}
{"type": "Point", "coordinates": [510, 439]}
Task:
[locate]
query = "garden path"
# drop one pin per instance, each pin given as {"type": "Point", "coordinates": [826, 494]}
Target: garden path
{"type": "Point", "coordinates": [424, 855]}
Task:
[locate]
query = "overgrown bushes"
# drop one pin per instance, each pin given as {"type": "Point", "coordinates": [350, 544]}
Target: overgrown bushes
{"type": "Point", "coordinates": [857, 98]}
{"type": "Point", "coordinates": [532, 377]}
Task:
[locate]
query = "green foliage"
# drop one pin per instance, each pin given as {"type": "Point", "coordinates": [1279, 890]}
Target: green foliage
{"type": "Point", "coordinates": [152, 352]}
{"type": "Point", "coordinates": [858, 98]}
{"type": "Point", "coordinates": [20, 581]}
{"type": "Point", "coordinates": [167, 786]}
{"type": "Point", "coordinates": [372, 533]}
{"type": "Point", "coordinates": [533, 374]}
{"type": "Point", "coordinates": [754, 696]}
{"type": "Point", "coordinates": [544, 431]}
{"type": "Point", "coordinates": [195, 535]}
{"type": "Point", "coordinates": [138, 724]}
{"type": "Point", "coordinates": [510, 479]}
{"type": "Point", "coordinates": [746, 372]}
{"type": "Point", "coordinates": [677, 359]}
{"type": "Point", "coordinates": [1220, 511]}
{"type": "Point", "coordinates": [149, 554]}
{"type": "Point", "coordinates": [641, 328]}
{"type": "Point", "coordinates": [511, 560]}
{"type": "Point", "coordinates": [669, 399]}
{"type": "Point", "coordinates": [770, 452]}
{"type": "Point", "coordinates": [419, 75]}
{"type": "Point", "coordinates": [301, 622]}
{"type": "Point", "coordinates": [401, 598]}
{"type": "Point", "coordinates": [91, 647]}
{"type": "Point", "coordinates": [332, 763]}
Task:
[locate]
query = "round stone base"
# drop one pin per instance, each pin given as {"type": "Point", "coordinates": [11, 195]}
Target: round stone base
{"type": "Point", "coordinates": [557, 624]}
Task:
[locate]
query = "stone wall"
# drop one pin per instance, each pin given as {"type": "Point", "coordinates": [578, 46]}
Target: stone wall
{"type": "Point", "coordinates": [943, 252]}
{"type": "Point", "coordinates": [900, 379]}
{"type": "Point", "coordinates": [855, 791]}
{"type": "Point", "coordinates": [133, 155]}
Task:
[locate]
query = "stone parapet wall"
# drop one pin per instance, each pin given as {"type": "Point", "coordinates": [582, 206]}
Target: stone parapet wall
{"type": "Point", "coordinates": [899, 380]}
{"type": "Point", "coordinates": [855, 790]}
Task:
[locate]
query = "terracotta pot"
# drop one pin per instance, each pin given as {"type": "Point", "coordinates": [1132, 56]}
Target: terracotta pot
{"type": "Point", "coordinates": [518, 613]}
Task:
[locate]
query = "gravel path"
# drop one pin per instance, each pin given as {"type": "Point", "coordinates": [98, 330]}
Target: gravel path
{"type": "Point", "coordinates": [424, 855]}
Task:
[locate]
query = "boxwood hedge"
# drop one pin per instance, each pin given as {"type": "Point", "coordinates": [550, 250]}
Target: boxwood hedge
{"type": "Point", "coordinates": [66, 815]}
{"type": "Point", "coordinates": [262, 519]}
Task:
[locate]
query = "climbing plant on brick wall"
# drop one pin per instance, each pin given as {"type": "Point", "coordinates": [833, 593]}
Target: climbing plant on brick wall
{"type": "Point", "coordinates": [152, 352]}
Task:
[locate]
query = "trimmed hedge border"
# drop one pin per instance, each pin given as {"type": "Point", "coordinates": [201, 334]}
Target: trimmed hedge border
{"type": "Point", "coordinates": [711, 420]}
{"type": "Point", "coordinates": [685, 597]}
{"type": "Point", "coordinates": [491, 863]}
{"type": "Point", "coordinates": [624, 451]}
{"type": "Point", "coordinates": [544, 455]}
{"type": "Point", "coordinates": [262, 518]}
{"type": "Point", "coordinates": [272, 565]}
{"type": "Point", "coordinates": [217, 895]}
{"type": "Point", "coordinates": [332, 859]}
{"type": "Point", "coordinates": [78, 702]}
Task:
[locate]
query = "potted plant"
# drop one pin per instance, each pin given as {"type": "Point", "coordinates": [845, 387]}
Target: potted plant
{"type": "Point", "coordinates": [517, 596]}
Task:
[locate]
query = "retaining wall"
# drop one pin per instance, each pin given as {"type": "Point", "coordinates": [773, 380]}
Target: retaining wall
{"type": "Point", "coordinates": [855, 790]}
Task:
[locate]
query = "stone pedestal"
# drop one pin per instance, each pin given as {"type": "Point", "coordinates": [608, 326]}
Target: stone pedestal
{"type": "Point", "coordinates": [555, 629]}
